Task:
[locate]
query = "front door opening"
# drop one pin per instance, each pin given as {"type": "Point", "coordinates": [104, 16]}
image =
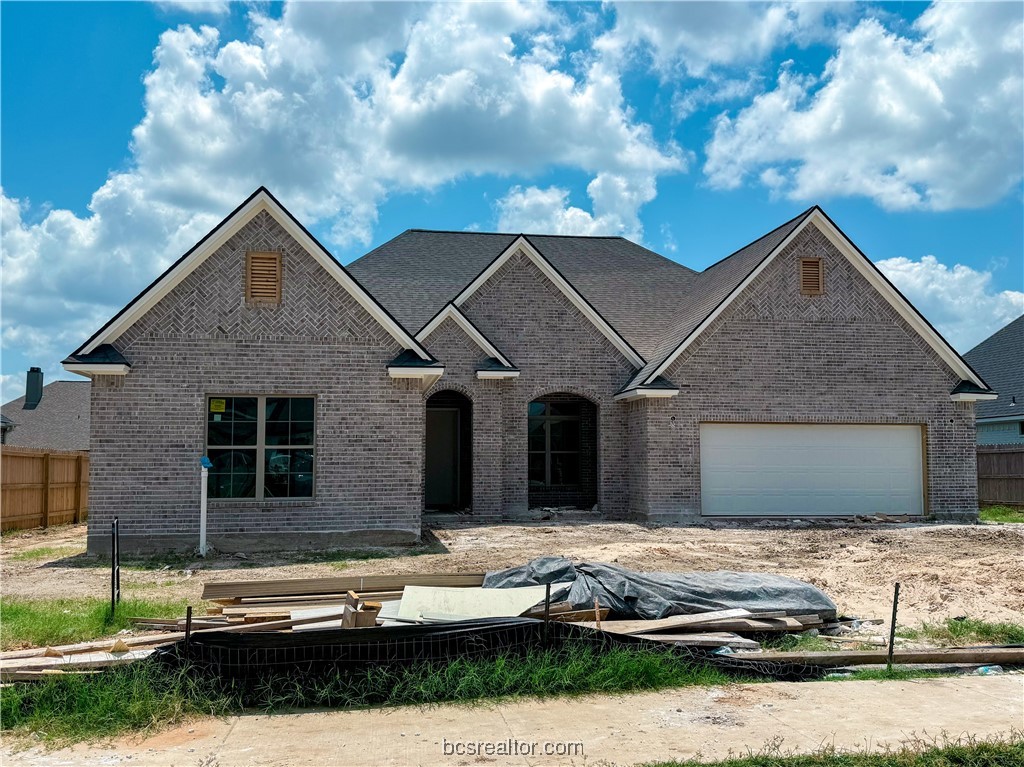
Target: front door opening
{"type": "Point", "coordinates": [562, 437]}
{"type": "Point", "coordinates": [448, 461]}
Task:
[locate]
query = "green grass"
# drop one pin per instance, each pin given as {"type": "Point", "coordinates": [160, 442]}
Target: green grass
{"type": "Point", "coordinates": [1001, 514]}
{"type": "Point", "coordinates": [897, 674]}
{"type": "Point", "coordinates": [30, 622]}
{"type": "Point", "coordinates": [144, 695]}
{"type": "Point", "coordinates": [966, 631]}
{"type": "Point", "coordinates": [46, 552]}
{"type": "Point", "coordinates": [965, 752]}
{"type": "Point", "coordinates": [799, 643]}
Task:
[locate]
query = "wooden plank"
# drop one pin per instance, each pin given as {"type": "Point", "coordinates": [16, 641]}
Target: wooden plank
{"type": "Point", "coordinates": [575, 616]}
{"type": "Point", "coordinates": [986, 655]}
{"type": "Point", "coordinates": [673, 622]}
{"type": "Point", "coordinates": [874, 640]}
{"type": "Point", "coordinates": [710, 639]}
{"type": "Point", "coordinates": [360, 584]}
{"type": "Point", "coordinates": [83, 660]}
{"type": "Point", "coordinates": [468, 602]}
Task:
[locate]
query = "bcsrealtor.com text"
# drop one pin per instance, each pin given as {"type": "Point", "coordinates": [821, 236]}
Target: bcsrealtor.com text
{"type": "Point", "coordinates": [510, 747]}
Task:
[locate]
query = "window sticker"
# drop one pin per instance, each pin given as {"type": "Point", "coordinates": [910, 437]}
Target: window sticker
{"type": "Point", "coordinates": [218, 405]}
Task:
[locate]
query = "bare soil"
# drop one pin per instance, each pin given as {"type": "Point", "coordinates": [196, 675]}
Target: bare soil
{"type": "Point", "coordinates": [944, 570]}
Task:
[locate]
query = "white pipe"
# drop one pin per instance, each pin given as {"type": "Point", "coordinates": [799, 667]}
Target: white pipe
{"type": "Point", "coordinates": [202, 515]}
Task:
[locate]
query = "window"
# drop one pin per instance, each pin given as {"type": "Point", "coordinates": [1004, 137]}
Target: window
{"type": "Point", "coordinates": [554, 444]}
{"type": "Point", "coordinates": [263, 278]}
{"type": "Point", "coordinates": [812, 276]}
{"type": "Point", "coordinates": [260, 447]}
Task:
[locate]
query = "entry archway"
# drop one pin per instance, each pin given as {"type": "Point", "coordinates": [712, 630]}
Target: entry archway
{"type": "Point", "coordinates": [448, 458]}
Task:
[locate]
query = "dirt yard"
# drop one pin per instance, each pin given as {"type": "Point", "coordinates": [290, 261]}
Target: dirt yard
{"type": "Point", "coordinates": [945, 570]}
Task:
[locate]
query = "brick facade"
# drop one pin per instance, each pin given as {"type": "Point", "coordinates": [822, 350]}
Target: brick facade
{"type": "Point", "coordinates": [774, 356]}
{"type": "Point", "coordinates": [148, 428]}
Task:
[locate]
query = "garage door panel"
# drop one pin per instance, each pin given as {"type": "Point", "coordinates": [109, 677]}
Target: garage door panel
{"type": "Point", "coordinates": [810, 470]}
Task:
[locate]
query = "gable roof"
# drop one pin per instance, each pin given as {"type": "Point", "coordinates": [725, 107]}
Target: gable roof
{"type": "Point", "coordinates": [59, 422]}
{"type": "Point", "coordinates": [260, 200]}
{"type": "Point", "coordinates": [719, 285]}
{"type": "Point", "coordinates": [1000, 358]}
{"type": "Point", "coordinates": [456, 315]}
{"type": "Point", "coordinates": [633, 289]}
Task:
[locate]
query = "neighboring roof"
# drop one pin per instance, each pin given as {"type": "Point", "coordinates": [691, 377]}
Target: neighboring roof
{"type": "Point", "coordinates": [5, 421]}
{"type": "Point", "coordinates": [260, 200]}
{"type": "Point", "coordinates": [60, 422]}
{"type": "Point", "coordinates": [415, 274]}
{"type": "Point", "coordinates": [1000, 359]}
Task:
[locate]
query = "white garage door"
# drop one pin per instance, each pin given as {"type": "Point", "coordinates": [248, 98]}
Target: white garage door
{"type": "Point", "coordinates": [810, 470]}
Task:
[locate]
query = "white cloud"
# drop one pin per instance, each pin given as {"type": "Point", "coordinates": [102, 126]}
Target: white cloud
{"type": "Point", "coordinates": [616, 201]}
{"type": "Point", "coordinates": [960, 301]}
{"type": "Point", "coordinates": [212, 7]}
{"type": "Point", "coordinates": [334, 107]}
{"type": "Point", "coordinates": [692, 38]}
{"type": "Point", "coordinates": [933, 122]}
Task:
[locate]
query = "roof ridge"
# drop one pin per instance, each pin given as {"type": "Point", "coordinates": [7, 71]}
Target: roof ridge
{"type": "Point", "coordinates": [522, 234]}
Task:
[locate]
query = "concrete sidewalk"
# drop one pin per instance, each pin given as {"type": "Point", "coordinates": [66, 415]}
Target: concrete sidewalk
{"type": "Point", "coordinates": [711, 722]}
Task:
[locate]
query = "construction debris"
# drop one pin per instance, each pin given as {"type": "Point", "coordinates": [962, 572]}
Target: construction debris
{"type": "Point", "coordinates": [699, 610]}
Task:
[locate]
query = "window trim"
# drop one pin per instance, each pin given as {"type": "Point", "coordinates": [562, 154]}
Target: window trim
{"type": "Point", "coordinates": [548, 452]}
{"type": "Point", "coordinates": [261, 447]}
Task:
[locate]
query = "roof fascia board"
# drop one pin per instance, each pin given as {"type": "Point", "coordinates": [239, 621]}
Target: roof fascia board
{"type": "Point", "coordinates": [261, 200]}
{"type": "Point", "coordinates": [867, 269]}
{"type": "Point", "coordinates": [574, 296]}
{"type": "Point", "coordinates": [415, 372]}
{"type": "Point", "coordinates": [973, 397]}
{"type": "Point", "coordinates": [645, 393]}
{"type": "Point", "coordinates": [486, 374]}
{"type": "Point", "coordinates": [1000, 418]}
{"type": "Point", "coordinates": [451, 311]}
{"type": "Point", "coordinates": [96, 368]}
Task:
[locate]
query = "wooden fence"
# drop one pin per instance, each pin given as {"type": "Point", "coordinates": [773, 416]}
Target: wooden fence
{"type": "Point", "coordinates": [1001, 474]}
{"type": "Point", "coordinates": [39, 488]}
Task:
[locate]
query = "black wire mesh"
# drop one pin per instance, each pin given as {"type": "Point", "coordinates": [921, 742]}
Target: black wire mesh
{"type": "Point", "coordinates": [242, 656]}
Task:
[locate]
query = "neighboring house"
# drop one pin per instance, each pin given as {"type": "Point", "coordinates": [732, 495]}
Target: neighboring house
{"type": "Point", "coordinates": [6, 424]}
{"type": "Point", "coordinates": [1000, 359]}
{"type": "Point", "coordinates": [489, 374]}
{"type": "Point", "coordinates": [60, 420]}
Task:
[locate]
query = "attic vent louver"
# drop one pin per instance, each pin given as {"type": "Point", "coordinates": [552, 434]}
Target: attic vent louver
{"type": "Point", "coordinates": [263, 278]}
{"type": "Point", "coordinates": [812, 277]}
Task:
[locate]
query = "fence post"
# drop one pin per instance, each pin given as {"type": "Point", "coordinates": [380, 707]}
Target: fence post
{"type": "Point", "coordinates": [115, 566]}
{"type": "Point", "coordinates": [46, 490]}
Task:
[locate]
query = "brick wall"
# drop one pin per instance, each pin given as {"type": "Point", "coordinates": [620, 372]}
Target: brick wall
{"type": "Point", "coordinates": [778, 356]}
{"type": "Point", "coordinates": [558, 351]}
{"type": "Point", "coordinates": [148, 429]}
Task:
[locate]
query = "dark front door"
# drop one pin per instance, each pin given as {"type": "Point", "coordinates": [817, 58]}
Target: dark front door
{"type": "Point", "coordinates": [442, 458]}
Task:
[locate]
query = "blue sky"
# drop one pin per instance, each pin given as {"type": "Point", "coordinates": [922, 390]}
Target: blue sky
{"type": "Point", "coordinates": [129, 129]}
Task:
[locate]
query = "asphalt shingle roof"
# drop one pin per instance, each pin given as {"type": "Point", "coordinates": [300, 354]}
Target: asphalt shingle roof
{"type": "Point", "coordinates": [634, 289]}
{"type": "Point", "coordinates": [61, 422]}
{"type": "Point", "coordinates": [999, 360]}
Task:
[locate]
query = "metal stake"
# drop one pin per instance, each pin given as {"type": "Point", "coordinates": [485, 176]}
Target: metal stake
{"type": "Point", "coordinates": [115, 566]}
{"type": "Point", "coordinates": [547, 611]}
{"type": "Point", "coordinates": [892, 628]}
{"type": "Point", "coordinates": [188, 628]}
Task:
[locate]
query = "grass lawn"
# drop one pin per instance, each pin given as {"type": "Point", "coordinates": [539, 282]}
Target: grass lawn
{"type": "Point", "coordinates": [46, 552]}
{"type": "Point", "coordinates": [1001, 514]}
{"type": "Point", "coordinates": [37, 623]}
{"type": "Point", "coordinates": [967, 631]}
{"type": "Point", "coordinates": [967, 752]}
{"type": "Point", "coordinates": [144, 695]}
